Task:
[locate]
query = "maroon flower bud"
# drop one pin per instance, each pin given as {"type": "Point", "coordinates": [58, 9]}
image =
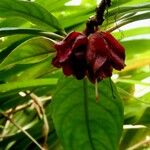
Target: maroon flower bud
{"type": "Point", "coordinates": [71, 55]}
{"type": "Point", "coordinates": [104, 53]}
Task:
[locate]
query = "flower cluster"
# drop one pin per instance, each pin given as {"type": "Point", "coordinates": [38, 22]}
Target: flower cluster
{"type": "Point", "coordinates": [94, 56]}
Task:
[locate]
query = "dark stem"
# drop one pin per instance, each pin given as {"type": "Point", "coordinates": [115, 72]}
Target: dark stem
{"type": "Point", "coordinates": [93, 22]}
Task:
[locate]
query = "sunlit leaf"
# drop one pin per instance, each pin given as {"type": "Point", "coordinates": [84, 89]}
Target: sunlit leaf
{"type": "Point", "coordinates": [6, 51]}
{"type": "Point", "coordinates": [30, 11]}
{"type": "Point", "coordinates": [26, 84]}
{"type": "Point", "coordinates": [32, 51]}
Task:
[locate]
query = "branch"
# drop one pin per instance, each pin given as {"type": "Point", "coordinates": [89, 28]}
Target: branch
{"type": "Point", "coordinates": [24, 106]}
{"type": "Point", "coordinates": [100, 11]}
{"type": "Point", "coordinates": [41, 112]}
{"type": "Point", "coordinates": [93, 22]}
{"type": "Point", "coordinates": [24, 131]}
{"type": "Point", "coordinates": [37, 102]}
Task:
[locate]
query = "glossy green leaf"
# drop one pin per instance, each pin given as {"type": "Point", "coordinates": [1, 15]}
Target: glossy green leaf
{"type": "Point", "coordinates": [117, 3]}
{"type": "Point", "coordinates": [6, 51]}
{"type": "Point", "coordinates": [124, 10]}
{"type": "Point", "coordinates": [52, 5]}
{"type": "Point", "coordinates": [131, 32]}
{"type": "Point", "coordinates": [132, 82]}
{"type": "Point", "coordinates": [145, 117]}
{"type": "Point", "coordinates": [142, 16]}
{"type": "Point", "coordinates": [138, 58]}
{"type": "Point", "coordinates": [14, 31]}
{"type": "Point", "coordinates": [122, 15]}
{"type": "Point", "coordinates": [30, 11]}
{"type": "Point", "coordinates": [32, 51]}
{"type": "Point", "coordinates": [20, 72]}
{"type": "Point", "coordinates": [83, 124]}
{"type": "Point", "coordinates": [7, 22]}
{"type": "Point", "coordinates": [133, 2]}
{"type": "Point", "coordinates": [26, 84]}
{"type": "Point", "coordinates": [84, 15]}
{"type": "Point", "coordinates": [11, 99]}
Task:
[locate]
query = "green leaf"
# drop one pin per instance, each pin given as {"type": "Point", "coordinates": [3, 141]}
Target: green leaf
{"type": "Point", "coordinates": [138, 58]}
{"type": "Point", "coordinates": [7, 22]}
{"type": "Point", "coordinates": [131, 32]}
{"type": "Point", "coordinates": [52, 5]}
{"type": "Point", "coordinates": [6, 51]}
{"type": "Point", "coordinates": [117, 3]}
{"type": "Point", "coordinates": [31, 11]}
{"type": "Point", "coordinates": [27, 84]}
{"type": "Point", "coordinates": [133, 2]}
{"type": "Point", "coordinates": [129, 19]}
{"type": "Point", "coordinates": [20, 72]}
{"type": "Point", "coordinates": [127, 9]}
{"type": "Point", "coordinates": [14, 31]}
{"type": "Point", "coordinates": [145, 117]}
{"type": "Point", "coordinates": [80, 122]}
{"type": "Point", "coordinates": [31, 51]}
{"type": "Point", "coordinates": [11, 100]}
{"type": "Point", "coordinates": [132, 81]}
{"type": "Point", "coordinates": [142, 16]}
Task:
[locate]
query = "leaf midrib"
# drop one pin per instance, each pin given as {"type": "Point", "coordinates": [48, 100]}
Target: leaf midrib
{"type": "Point", "coordinates": [87, 114]}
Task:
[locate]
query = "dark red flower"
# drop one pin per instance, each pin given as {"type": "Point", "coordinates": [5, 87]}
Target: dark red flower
{"type": "Point", "coordinates": [95, 56]}
{"type": "Point", "coordinates": [71, 55]}
{"type": "Point", "coordinates": [104, 53]}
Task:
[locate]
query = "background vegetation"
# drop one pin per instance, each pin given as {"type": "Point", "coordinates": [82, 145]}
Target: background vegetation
{"type": "Point", "coordinates": [37, 110]}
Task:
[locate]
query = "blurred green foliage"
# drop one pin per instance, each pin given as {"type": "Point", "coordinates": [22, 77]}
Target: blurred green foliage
{"type": "Point", "coordinates": [26, 49]}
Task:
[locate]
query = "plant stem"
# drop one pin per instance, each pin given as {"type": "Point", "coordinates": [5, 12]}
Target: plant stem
{"type": "Point", "coordinates": [24, 106]}
{"type": "Point", "coordinates": [41, 112]}
{"type": "Point", "coordinates": [24, 131]}
{"type": "Point", "coordinates": [93, 22]}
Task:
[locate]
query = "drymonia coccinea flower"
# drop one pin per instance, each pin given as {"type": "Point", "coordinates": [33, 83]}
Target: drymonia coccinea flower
{"type": "Point", "coordinates": [71, 55]}
{"type": "Point", "coordinates": [94, 56]}
{"type": "Point", "coordinates": [103, 54]}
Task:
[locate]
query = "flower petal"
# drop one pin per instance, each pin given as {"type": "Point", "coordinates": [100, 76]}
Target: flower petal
{"type": "Point", "coordinates": [64, 47]}
{"type": "Point", "coordinates": [71, 37]}
{"type": "Point", "coordinates": [67, 69]}
{"type": "Point", "coordinates": [96, 46]}
{"type": "Point", "coordinates": [105, 71]}
{"type": "Point", "coordinates": [71, 55]}
{"type": "Point", "coordinates": [55, 62]}
{"type": "Point", "coordinates": [116, 61]}
{"type": "Point", "coordinates": [80, 41]}
{"type": "Point", "coordinates": [114, 44]}
{"type": "Point", "coordinates": [98, 63]}
{"type": "Point", "coordinates": [63, 51]}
